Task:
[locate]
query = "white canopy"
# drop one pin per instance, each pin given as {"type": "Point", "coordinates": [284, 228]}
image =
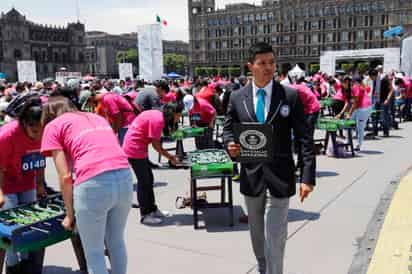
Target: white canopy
{"type": "Point", "coordinates": [296, 72]}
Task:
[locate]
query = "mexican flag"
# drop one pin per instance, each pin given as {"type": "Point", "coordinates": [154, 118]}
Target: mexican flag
{"type": "Point", "coordinates": [161, 21]}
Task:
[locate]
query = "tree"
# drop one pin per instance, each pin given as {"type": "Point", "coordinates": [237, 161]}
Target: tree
{"type": "Point", "coordinates": [363, 67]}
{"type": "Point", "coordinates": [175, 63]}
{"type": "Point", "coordinates": [314, 68]}
{"type": "Point", "coordinates": [348, 67]}
{"type": "Point", "coordinates": [234, 71]}
{"type": "Point", "coordinates": [128, 56]}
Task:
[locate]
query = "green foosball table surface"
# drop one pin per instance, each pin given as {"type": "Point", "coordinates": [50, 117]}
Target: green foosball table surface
{"type": "Point", "coordinates": [210, 162]}
{"type": "Point", "coordinates": [326, 102]}
{"type": "Point", "coordinates": [332, 124]}
{"type": "Point", "coordinates": [187, 132]}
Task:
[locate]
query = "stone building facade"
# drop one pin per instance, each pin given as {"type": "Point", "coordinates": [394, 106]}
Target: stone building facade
{"type": "Point", "coordinates": [298, 30]}
{"type": "Point", "coordinates": [51, 47]}
{"type": "Point", "coordinates": [102, 49]}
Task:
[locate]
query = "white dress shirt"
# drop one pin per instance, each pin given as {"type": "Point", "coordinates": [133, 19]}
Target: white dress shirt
{"type": "Point", "coordinates": [268, 97]}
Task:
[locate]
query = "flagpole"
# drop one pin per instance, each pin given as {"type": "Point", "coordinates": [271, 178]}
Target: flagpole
{"type": "Point", "coordinates": [77, 10]}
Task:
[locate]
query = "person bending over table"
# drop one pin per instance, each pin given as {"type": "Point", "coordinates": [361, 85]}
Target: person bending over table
{"type": "Point", "coordinates": [101, 195]}
{"type": "Point", "coordinates": [22, 171]}
{"type": "Point", "coordinates": [147, 129]}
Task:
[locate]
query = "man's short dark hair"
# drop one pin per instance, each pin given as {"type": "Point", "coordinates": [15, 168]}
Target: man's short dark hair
{"type": "Point", "coordinates": [259, 48]}
{"type": "Point", "coordinates": [373, 72]}
{"type": "Point", "coordinates": [162, 85]}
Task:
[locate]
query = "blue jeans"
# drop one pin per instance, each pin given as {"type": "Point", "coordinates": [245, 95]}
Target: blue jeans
{"type": "Point", "coordinates": [14, 200]}
{"type": "Point", "coordinates": [361, 116]}
{"type": "Point", "coordinates": [385, 115]}
{"type": "Point", "coordinates": [101, 206]}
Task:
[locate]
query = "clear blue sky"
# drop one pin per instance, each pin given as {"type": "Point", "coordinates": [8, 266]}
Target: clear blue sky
{"type": "Point", "coordinates": [112, 16]}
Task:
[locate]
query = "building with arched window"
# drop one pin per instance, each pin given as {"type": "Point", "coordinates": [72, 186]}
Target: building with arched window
{"type": "Point", "coordinates": [50, 46]}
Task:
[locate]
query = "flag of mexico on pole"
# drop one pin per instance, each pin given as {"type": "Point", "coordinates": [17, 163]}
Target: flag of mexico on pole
{"type": "Point", "coordinates": [161, 21]}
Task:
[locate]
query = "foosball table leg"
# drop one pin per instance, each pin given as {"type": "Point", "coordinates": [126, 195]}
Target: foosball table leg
{"type": "Point", "coordinates": [194, 203]}
{"type": "Point", "coordinates": [230, 194]}
{"type": "Point", "coordinates": [79, 252]}
{"type": "Point", "coordinates": [326, 142]}
{"type": "Point", "coordinates": [222, 190]}
{"type": "Point", "coordinates": [351, 142]}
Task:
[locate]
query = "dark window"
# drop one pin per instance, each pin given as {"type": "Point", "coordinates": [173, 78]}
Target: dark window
{"type": "Point", "coordinates": [17, 54]}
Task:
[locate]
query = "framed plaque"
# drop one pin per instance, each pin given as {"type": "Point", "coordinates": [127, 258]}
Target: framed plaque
{"type": "Point", "coordinates": [256, 142]}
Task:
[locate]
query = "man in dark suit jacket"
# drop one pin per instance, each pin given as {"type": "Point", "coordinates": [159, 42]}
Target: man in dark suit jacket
{"type": "Point", "coordinates": [267, 186]}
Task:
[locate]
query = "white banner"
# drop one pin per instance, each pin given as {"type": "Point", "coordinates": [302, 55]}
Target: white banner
{"type": "Point", "coordinates": [125, 70]}
{"type": "Point", "coordinates": [150, 52]}
{"type": "Point", "coordinates": [26, 71]}
{"type": "Point", "coordinates": [406, 65]}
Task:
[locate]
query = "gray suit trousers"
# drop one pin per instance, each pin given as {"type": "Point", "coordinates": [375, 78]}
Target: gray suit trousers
{"type": "Point", "coordinates": [268, 224]}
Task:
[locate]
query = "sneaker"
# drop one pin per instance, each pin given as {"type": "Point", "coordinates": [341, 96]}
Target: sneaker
{"type": "Point", "coordinates": [236, 177]}
{"type": "Point", "coordinates": [357, 148]}
{"type": "Point", "coordinates": [151, 219]}
{"type": "Point", "coordinates": [161, 214]}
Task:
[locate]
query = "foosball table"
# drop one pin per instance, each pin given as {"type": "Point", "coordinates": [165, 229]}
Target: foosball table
{"type": "Point", "coordinates": [179, 135]}
{"type": "Point", "coordinates": [331, 126]}
{"type": "Point", "coordinates": [209, 164]}
{"type": "Point", "coordinates": [34, 226]}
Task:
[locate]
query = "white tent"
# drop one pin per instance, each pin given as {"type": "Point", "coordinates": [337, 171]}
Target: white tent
{"type": "Point", "coordinates": [296, 72]}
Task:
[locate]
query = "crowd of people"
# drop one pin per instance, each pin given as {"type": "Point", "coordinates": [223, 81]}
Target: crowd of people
{"type": "Point", "coordinates": [96, 130]}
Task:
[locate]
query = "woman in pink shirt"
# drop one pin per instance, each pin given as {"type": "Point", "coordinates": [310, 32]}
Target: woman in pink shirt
{"type": "Point", "coordinates": [147, 129]}
{"type": "Point", "coordinates": [21, 167]}
{"type": "Point", "coordinates": [311, 108]}
{"type": "Point", "coordinates": [203, 114]}
{"type": "Point", "coordinates": [361, 108]}
{"type": "Point", "coordinates": [100, 196]}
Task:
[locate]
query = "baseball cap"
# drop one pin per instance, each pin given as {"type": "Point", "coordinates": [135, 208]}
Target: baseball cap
{"type": "Point", "coordinates": [84, 97]}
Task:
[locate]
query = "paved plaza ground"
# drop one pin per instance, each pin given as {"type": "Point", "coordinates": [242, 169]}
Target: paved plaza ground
{"type": "Point", "coordinates": [324, 232]}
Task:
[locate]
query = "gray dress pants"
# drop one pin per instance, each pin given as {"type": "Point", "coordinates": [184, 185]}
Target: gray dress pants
{"type": "Point", "coordinates": [268, 224]}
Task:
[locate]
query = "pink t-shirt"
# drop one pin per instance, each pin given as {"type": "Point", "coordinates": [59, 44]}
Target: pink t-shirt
{"type": "Point", "coordinates": [88, 141]}
{"type": "Point", "coordinates": [132, 95]}
{"type": "Point", "coordinates": [339, 95]}
{"type": "Point", "coordinates": [408, 85]}
{"type": "Point", "coordinates": [204, 109]}
{"type": "Point", "coordinates": [362, 94]}
{"type": "Point", "coordinates": [146, 127]}
{"type": "Point", "coordinates": [168, 97]}
{"type": "Point", "coordinates": [114, 103]}
{"type": "Point", "coordinates": [20, 159]}
{"type": "Point", "coordinates": [310, 102]}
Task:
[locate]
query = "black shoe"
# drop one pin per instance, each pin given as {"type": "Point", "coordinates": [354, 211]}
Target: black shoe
{"type": "Point", "coordinates": [386, 134]}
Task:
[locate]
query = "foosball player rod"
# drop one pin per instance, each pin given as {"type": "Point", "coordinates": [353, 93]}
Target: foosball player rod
{"type": "Point", "coordinates": [40, 230]}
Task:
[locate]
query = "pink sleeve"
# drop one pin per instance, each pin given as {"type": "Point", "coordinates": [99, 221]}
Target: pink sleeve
{"type": "Point", "coordinates": [355, 91]}
{"type": "Point", "coordinates": [5, 147]}
{"type": "Point", "coordinates": [110, 105]}
{"type": "Point", "coordinates": [51, 140]}
{"type": "Point", "coordinates": [155, 129]}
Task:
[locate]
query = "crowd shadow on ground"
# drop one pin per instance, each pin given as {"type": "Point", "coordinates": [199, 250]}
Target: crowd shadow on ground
{"type": "Point", "coordinates": [218, 219]}
{"type": "Point", "coordinates": [155, 184]}
{"type": "Point", "coordinates": [295, 215]}
{"type": "Point", "coordinates": [51, 269]}
{"type": "Point", "coordinates": [370, 152]}
{"type": "Point", "coordinates": [326, 174]}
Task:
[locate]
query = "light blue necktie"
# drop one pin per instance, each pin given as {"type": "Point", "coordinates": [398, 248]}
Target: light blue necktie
{"type": "Point", "coordinates": [260, 105]}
